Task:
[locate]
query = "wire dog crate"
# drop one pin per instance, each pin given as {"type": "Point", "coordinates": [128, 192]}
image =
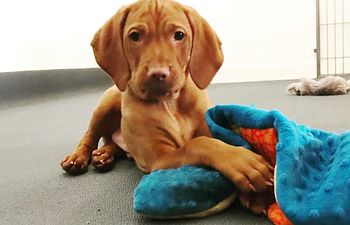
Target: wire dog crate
{"type": "Point", "coordinates": [333, 37]}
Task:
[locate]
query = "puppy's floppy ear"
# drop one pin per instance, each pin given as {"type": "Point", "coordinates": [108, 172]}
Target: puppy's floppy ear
{"type": "Point", "coordinates": [206, 55]}
{"type": "Point", "coordinates": [108, 48]}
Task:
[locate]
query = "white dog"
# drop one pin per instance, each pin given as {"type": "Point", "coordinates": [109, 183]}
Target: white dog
{"type": "Point", "coordinates": [329, 85]}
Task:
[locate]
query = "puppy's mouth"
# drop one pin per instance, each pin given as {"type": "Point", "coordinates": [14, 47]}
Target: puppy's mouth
{"type": "Point", "coordinates": [158, 92]}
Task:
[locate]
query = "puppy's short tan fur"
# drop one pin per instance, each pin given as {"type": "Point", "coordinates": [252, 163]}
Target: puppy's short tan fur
{"type": "Point", "coordinates": [161, 55]}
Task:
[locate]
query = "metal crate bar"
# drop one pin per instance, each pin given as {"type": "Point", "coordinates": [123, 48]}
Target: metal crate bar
{"type": "Point", "coordinates": [333, 37]}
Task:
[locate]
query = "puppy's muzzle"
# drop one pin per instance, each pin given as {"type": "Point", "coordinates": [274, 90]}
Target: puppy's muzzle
{"type": "Point", "coordinates": [159, 74]}
{"type": "Point", "coordinates": [158, 82]}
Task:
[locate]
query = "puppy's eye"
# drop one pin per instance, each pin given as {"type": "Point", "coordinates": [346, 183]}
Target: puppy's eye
{"type": "Point", "coordinates": [178, 36]}
{"type": "Point", "coordinates": [134, 36]}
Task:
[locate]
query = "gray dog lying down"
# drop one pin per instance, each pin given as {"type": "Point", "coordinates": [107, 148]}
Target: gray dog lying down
{"type": "Point", "coordinates": [329, 85]}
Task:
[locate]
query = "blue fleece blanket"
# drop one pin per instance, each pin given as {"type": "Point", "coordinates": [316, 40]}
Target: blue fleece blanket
{"type": "Point", "coordinates": [312, 171]}
{"type": "Point", "coordinates": [313, 166]}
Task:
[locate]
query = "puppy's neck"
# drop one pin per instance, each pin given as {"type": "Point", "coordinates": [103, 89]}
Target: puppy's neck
{"type": "Point", "coordinates": [186, 100]}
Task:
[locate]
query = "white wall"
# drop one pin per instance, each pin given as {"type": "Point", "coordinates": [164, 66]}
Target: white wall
{"type": "Point", "coordinates": [270, 39]}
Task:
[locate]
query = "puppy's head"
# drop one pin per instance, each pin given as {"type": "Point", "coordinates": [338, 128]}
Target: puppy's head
{"type": "Point", "coordinates": [152, 45]}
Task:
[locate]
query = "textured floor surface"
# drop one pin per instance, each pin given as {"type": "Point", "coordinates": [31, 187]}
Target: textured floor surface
{"type": "Point", "coordinates": [37, 132]}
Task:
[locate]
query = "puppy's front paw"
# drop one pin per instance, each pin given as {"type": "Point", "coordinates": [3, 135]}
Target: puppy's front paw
{"type": "Point", "coordinates": [76, 163]}
{"type": "Point", "coordinates": [248, 171]}
{"type": "Point", "coordinates": [103, 159]}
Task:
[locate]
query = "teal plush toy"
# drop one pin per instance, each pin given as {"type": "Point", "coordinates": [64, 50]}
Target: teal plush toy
{"type": "Point", "coordinates": [182, 193]}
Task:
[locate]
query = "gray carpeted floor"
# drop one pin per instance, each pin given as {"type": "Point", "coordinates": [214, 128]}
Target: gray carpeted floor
{"type": "Point", "coordinates": [37, 131]}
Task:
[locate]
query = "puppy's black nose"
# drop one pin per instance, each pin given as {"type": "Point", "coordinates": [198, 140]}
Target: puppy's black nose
{"type": "Point", "coordinates": [159, 73]}
{"type": "Point", "coordinates": [159, 76]}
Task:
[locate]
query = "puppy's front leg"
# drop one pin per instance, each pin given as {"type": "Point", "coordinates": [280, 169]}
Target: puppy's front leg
{"type": "Point", "coordinates": [247, 170]}
{"type": "Point", "coordinates": [105, 120]}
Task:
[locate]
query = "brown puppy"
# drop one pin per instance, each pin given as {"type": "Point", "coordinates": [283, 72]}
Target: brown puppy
{"type": "Point", "coordinates": [161, 54]}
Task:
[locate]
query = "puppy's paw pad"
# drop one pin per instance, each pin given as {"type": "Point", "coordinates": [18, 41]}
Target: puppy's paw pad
{"type": "Point", "coordinates": [257, 203]}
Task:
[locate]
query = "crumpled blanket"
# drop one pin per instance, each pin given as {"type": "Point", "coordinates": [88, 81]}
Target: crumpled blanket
{"type": "Point", "coordinates": [312, 182]}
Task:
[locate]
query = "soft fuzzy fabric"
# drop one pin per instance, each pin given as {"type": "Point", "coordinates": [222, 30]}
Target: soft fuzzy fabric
{"type": "Point", "coordinates": [184, 192]}
{"type": "Point", "coordinates": [329, 85]}
{"type": "Point", "coordinates": [312, 171]}
{"type": "Point", "coordinates": [312, 166]}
